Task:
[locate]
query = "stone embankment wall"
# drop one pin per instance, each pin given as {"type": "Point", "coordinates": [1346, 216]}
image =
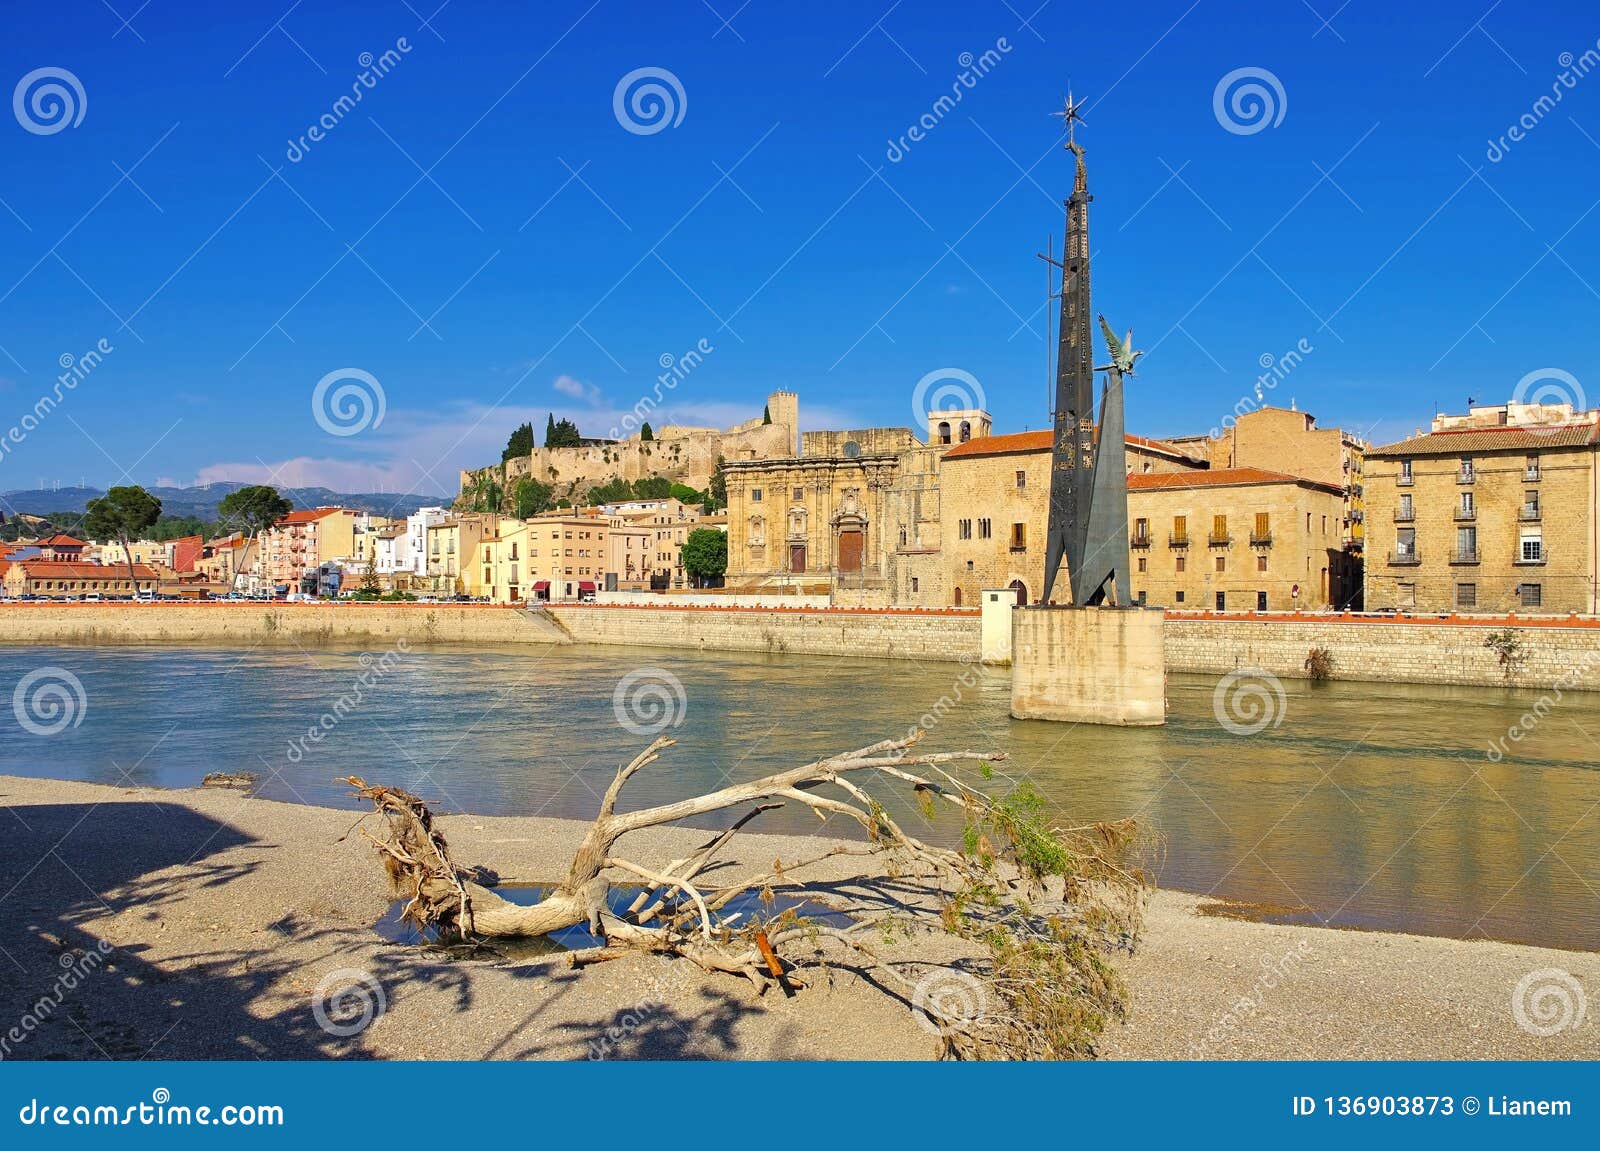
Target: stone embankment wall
{"type": "Point", "coordinates": [860, 633]}
{"type": "Point", "coordinates": [250, 623]}
{"type": "Point", "coordinates": [1552, 651]}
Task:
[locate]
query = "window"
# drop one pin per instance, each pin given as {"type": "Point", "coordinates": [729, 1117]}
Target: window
{"type": "Point", "coordinates": [1405, 472]}
{"type": "Point", "coordinates": [1405, 542]}
{"type": "Point", "coordinates": [1530, 505]}
{"type": "Point", "coordinates": [1222, 563]}
{"type": "Point", "coordinates": [1180, 529]}
{"type": "Point", "coordinates": [902, 537]}
{"type": "Point", "coordinates": [1261, 601]}
{"type": "Point", "coordinates": [1140, 597]}
{"type": "Point", "coordinates": [1466, 595]}
{"type": "Point", "coordinates": [1532, 550]}
{"type": "Point", "coordinates": [1468, 472]}
{"type": "Point", "coordinates": [1141, 530]}
{"type": "Point", "coordinates": [913, 585]}
{"type": "Point", "coordinates": [1222, 601]}
{"type": "Point", "coordinates": [1263, 526]}
{"type": "Point", "coordinates": [1219, 529]}
{"type": "Point", "coordinates": [1530, 471]}
{"type": "Point", "coordinates": [1466, 545]}
{"type": "Point", "coordinates": [964, 529]}
{"type": "Point", "coordinates": [1261, 563]}
{"type": "Point", "coordinates": [1469, 507]}
{"type": "Point", "coordinates": [755, 495]}
{"type": "Point", "coordinates": [1143, 564]}
{"type": "Point", "coordinates": [1022, 480]}
{"type": "Point", "coordinates": [799, 494]}
{"type": "Point", "coordinates": [1532, 595]}
{"type": "Point", "coordinates": [1183, 563]}
{"type": "Point", "coordinates": [983, 529]}
{"type": "Point", "coordinates": [1407, 511]}
{"type": "Point", "coordinates": [1178, 596]}
{"type": "Point", "coordinates": [1019, 537]}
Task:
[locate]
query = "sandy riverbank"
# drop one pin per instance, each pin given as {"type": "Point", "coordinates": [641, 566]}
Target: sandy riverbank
{"type": "Point", "coordinates": [222, 913]}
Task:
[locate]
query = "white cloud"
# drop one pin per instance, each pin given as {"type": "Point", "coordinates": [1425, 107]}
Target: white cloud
{"type": "Point", "coordinates": [576, 388]}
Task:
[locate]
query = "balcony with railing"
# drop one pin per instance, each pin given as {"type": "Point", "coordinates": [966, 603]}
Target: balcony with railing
{"type": "Point", "coordinates": [1261, 539]}
{"type": "Point", "coordinates": [1219, 540]}
{"type": "Point", "coordinates": [1410, 557]}
{"type": "Point", "coordinates": [1466, 515]}
{"type": "Point", "coordinates": [1467, 475]}
{"type": "Point", "coordinates": [1405, 515]}
{"type": "Point", "coordinates": [1138, 540]}
{"type": "Point", "coordinates": [1404, 481]}
{"type": "Point", "coordinates": [1464, 557]}
{"type": "Point", "coordinates": [1529, 513]}
{"type": "Point", "coordinates": [1178, 540]}
{"type": "Point", "coordinates": [1530, 474]}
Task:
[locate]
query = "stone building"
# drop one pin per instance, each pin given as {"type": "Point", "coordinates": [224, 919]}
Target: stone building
{"type": "Point", "coordinates": [680, 452]}
{"type": "Point", "coordinates": [1246, 535]}
{"type": "Point", "coordinates": [1494, 511]}
{"type": "Point", "coordinates": [816, 519]}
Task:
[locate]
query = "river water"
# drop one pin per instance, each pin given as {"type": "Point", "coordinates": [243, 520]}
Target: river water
{"type": "Point", "coordinates": [1360, 805]}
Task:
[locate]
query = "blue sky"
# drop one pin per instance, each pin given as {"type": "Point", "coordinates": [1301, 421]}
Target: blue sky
{"type": "Point", "coordinates": [486, 239]}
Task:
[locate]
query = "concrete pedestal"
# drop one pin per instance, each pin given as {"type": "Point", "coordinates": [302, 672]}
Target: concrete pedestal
{"type": "Point", "coordinates": [1088, 665]}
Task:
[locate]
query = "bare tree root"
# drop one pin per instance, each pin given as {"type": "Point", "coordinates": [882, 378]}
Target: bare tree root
{"type": "Point", "coordinates": [1041, 909]}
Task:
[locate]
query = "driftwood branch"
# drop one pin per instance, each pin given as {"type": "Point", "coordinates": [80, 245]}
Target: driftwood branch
{"type": "Point", "coordinates": [1039, 908]}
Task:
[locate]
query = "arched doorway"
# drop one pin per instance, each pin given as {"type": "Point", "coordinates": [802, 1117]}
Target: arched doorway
{"type": "Point", "coordinates": [958, 597]}
{"type": "Point", "coordinates": [1021, 590]}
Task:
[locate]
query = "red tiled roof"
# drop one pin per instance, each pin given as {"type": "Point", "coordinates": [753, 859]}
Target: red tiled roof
{"type": "Point", "coordinates": [306, 517]}
{"type": "Point", "coordinates": [1454, 441]}
{"type": "Point", "coordinates": [62, 541]}
{"type": "Point", "coordinates": [1040, 441]}
{"type": "Point", "coordinates": [1221, 477]}
{"type": "Point", "coordinates": [68, 569]}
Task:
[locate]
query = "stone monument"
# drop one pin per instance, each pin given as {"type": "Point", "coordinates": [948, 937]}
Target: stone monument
{"type": "Point", "coordinates": [1099, 659]}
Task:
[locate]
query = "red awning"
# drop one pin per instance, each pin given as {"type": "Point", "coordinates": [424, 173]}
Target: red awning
{"type": "Point", "coordinates": [542, 585]}
{"type": "Point", "coordinates": [585, 585]}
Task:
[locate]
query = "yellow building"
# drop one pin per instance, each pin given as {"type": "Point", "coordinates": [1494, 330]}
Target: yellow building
{"type": "Point", "coordinates": [566, 555]}
{"type": "Point", "coordinates": [1494, 511]}
{"type": "Point", "coordinates": [502, 562]}
{"type": "Point", "coordinates": [452, 544]}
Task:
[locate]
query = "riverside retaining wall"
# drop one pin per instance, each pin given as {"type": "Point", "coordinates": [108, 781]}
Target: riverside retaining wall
{"type": "Point", "coordinates": [1450, 650]}
{"type": "Point", "coordinates": [251, 623]}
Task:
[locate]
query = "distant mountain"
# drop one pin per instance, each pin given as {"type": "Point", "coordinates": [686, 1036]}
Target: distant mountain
{"type": "Point", "coordinates": [201, 502]}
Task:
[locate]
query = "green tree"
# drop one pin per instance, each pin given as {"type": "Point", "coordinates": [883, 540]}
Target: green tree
{"type": "Point", "coordinates": [484, 493]}
{"type": "Point", "coordinates": [705, 555]}
{"type": "Point", "coordinates": [122, 514]}
{"type": "Point", "coordinates": [531, 497]}
{"type": "Point", "coordinates": [645, 434]}
{"type": "Point", "coordinates": [520, 444]}
{"type": "Point", "coordinates": [766, 414]}
{"type": "Point", "coordinates": [613, 491]}
{"type": "Point", "coordinates": [718, 490]}
{"type": "Point", "coordinates": [683, 493]}
{"type": "Point", "coordinates": [652, 488]}
{"type": "Point", "coordinates": [252, 510]}
{"type": "Point", "coordinates": [561, 434]}
{"type": "Point", "coordinates": [176, 527]}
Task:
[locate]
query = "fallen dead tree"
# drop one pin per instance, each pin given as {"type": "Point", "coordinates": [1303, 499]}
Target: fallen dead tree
{"type": "Point", "coordinates": [1039, 909]}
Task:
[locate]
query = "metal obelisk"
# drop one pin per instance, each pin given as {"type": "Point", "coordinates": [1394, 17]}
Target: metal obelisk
{"type": "Point", "coordinates": [1088, 481]}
